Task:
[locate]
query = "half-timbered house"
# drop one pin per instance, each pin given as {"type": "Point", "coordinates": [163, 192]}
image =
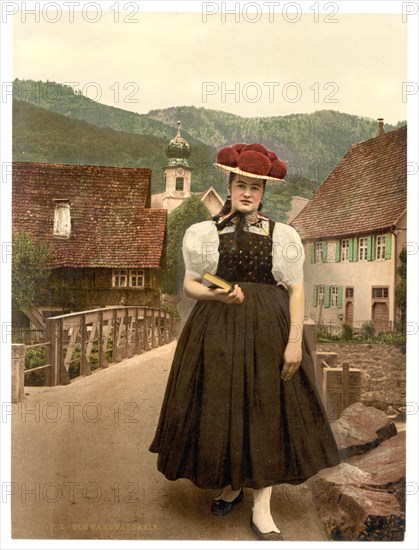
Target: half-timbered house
{"type": "Point", "coordinates": [106, 243]}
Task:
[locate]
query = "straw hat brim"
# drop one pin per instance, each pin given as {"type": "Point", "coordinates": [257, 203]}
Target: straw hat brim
{"type": "Point", "coordinates": [236, 170]}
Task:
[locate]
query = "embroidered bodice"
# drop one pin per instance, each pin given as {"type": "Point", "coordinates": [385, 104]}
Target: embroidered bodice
{"type": "Point", "coordinates": [272, 252]}
{"type": "Point", "coordinates": [252, 260]}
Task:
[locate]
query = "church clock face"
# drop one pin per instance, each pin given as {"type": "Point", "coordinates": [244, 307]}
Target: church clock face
{"type": "Point", "coordinates": [180, 171]}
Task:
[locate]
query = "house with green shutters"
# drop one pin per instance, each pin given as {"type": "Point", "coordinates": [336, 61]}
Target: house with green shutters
{"type": "Point", "coordinates": [353, 230]}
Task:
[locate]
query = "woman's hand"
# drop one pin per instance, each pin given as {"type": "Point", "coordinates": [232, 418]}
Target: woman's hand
{"type": "Point", "coordinates": [292, 358]}
{"type": "Point", "coordinates": [236, 296]}
{"type": "Point", "coordinates": [193, 288]}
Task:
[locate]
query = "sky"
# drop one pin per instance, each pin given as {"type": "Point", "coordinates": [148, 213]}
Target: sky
{"type": "Point", "coordinates": [253, 64]}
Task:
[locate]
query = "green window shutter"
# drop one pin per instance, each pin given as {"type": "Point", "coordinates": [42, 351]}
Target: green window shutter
{"type": "Point", "coordinates": [315, 294]}
{"type": "Point", "coordinates": [369, 248]}
{"type": "Point", "coordinates": [355, 249]}
{"type": "Point", "coordinates": [388, 247]}
{"type": "Point", "coordinates": [327, 296]}
{"type": "Point", "coordinates": [337, 252]}
{"type": "Point", "coordinates": [312, 254]}
{"type": "Point", "coordinates": [351, 250]}
{"type": "Point", "coordinates": [340, 296]}
{"type": "Point", "coordinates": [324, 252]}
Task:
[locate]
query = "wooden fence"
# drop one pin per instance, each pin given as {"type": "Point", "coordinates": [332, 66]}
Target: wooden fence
{"type": "Point", "coordinates": [78, 343]}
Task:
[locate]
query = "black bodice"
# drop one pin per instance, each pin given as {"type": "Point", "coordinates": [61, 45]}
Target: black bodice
{"type": "Point", "coordinates": [251, 261]}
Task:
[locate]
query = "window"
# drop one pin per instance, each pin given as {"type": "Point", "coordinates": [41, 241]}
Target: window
{"type": "Point", "coordinates": [320, 294]}
{"type": "Point", "coordinates": [128, 278]}
{"type": "Point", "coordinates": [333, 295]}
{"type": "Point", "coordinates": [136, 278]}
{"type": "Point", "coordinates": [349, 292]}
{"type": "Point", "coordinates": [344, 254]}
{"type": "Point", "coordinates": [380, 292]}
{"type": "Point", "coordinates": [62, 218]}
{"type": "Point", "coordinates": [319, 252]}
{"type": "Point", "coordinates": [119, 277]}
{"type": "Point", "coordinates": [380, 247]}
{"type": "Point", "coordinates": [363, 248]}
{"type": "Point", "coordinates": [179, 184]}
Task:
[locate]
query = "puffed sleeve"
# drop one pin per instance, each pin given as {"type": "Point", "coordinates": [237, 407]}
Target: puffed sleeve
{"type": "Point", "coordinates": [200, 248]}
{"type": "Point", "coordinates": [287, 255]}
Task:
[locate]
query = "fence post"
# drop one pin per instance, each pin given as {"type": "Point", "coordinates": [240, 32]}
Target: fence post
{"type": "Point", "coordinates": [147, 327]}
{"type": "Point", "coordinates": [103, 363]}
{"type": "Point", "coordinates": [85, 369]}
{"type": "Point", "coordinates": [345, 386]}
{"type": "Point", "coordinates": [18, 372]}
{"type": "Point", "coordinates": [115, 343]}
{"type": "Point", "coordinates": [58, 374]}
{"type": "Point", "coordinates": [160, 338]}
{"type": "Point", "coordinates": [154, 342]}
{"type": "Point", "coordinates": [127, 353]}
{"type": "Point", "coordinates": [137, 343]}
{"type": "Point", "coordinates": [310, 332]}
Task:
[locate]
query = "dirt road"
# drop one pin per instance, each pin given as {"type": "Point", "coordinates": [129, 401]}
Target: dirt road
{"type": "Point", "coordinates": [82, 469]}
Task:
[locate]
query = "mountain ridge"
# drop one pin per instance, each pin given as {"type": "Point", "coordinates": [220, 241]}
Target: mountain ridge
{"type": "Point", "coordinates": [310, 144]}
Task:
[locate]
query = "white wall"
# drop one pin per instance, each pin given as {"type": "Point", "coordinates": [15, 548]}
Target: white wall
{"type": "Point", "coordinates": [361, 275]}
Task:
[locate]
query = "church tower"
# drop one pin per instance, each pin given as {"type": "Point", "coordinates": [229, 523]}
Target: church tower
{"type": "Point", "coordinates": [177, 179]}
{"type": "Point", "coordinates": [177, 174]}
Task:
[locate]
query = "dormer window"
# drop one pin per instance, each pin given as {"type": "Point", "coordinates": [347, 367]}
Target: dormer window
{"type": "Point", "coordinates": [62, 218]}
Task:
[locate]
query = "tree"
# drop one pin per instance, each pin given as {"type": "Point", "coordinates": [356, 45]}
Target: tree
{"type": "Point", "coordinates": [400, 294]}
{"type": "Point", "coordinates": [277, 202]}
{"type": "Point", "coordinates": [278, 196]}
{"type": "Point", "coordinates": [29, 259]}
{"type": "Point", "coordinates": [191, 211]}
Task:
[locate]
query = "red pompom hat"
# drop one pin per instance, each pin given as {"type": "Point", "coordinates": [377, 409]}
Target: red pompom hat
{"type": "Point", "coordinates": [255, 161]}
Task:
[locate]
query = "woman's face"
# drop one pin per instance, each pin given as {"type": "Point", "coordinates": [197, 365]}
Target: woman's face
{"type": "Point", "coordinates": [246, 193]}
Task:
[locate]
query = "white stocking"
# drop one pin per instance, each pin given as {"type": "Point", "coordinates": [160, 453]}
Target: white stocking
{"type": "Point", "coordinates": [261, 511]}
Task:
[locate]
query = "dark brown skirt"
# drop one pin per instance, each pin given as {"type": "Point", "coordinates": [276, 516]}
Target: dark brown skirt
{"type": "Point", "coordinates": [227, 417]}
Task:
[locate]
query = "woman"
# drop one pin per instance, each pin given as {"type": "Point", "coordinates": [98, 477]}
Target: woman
{"type": "Point", "coordinates": [241, 407]}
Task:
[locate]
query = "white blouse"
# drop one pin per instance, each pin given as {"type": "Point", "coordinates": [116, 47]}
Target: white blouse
{"type": "Point", "coordinates": [201, 242]}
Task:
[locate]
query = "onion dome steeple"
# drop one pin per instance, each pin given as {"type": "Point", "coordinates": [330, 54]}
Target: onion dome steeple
{"type": "Point", "coordinates": [178, 150]}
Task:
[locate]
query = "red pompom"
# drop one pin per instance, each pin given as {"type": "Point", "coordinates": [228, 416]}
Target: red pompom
{"type": "Point", "coordinates": [278, 169]}
{"type": "Point", "coordinates": [272, 156]}
{"type": "Point", "coordinates": [254, 162]}
{"type": "Point", "coordinates": [238, 147]}
{"type": "Point", "coordinates": [227, 156]}
{"type": "Point", "coordinates": [258, 147]}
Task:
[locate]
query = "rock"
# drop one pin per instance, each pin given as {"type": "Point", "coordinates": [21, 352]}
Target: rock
{"type": "Point", "coordinates": [360, 429]}
{"type": "Point", "coordinates": [387, 465]}
{"type": "Point", "coordinates": [353, 507]}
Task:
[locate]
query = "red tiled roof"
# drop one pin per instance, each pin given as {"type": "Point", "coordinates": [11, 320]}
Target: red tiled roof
{"type": "Point", "coordinates": [111, 227]}
{"type": "Point", "coordinates": [366, 191]}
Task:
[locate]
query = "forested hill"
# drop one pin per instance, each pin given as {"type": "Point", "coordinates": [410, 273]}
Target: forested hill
{"type": "Point", "coordinates": [43, 136]}
{"type": "Point", "coordinates": [310, 144]}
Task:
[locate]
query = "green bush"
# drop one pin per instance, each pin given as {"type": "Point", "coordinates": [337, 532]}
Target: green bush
{"type": "Point", "coordinates": [367, 329]}
{"type": "Point", "coordinates": [396, 338]}
{"type": "Point", "coordinates": [171, 308]}
{"type": "Point", "coordinates": [324, 334]}
{"type": "Point", "coordinates": [35, 357]}
{"type": "Point", "coordinates": [347, 332]}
